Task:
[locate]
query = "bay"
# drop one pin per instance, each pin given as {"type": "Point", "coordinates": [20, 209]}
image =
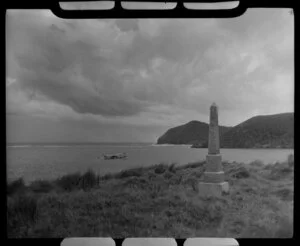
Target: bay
{"type": "Point", "coordinates": [49, 161]}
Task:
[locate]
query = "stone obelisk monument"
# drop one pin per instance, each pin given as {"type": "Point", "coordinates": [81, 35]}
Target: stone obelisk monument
{"type": "Point", "coordinates": [213, 183]}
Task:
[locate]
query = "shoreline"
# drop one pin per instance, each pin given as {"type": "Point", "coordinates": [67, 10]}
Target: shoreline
{"type": "Point", "coordinates": [201, 158]}
{"type": "Point", "coordinates": [273, 148]}
{"type": "Point", "coordinates": [145, 168]}
{"type": "Point", "coordinates": [121, 144]}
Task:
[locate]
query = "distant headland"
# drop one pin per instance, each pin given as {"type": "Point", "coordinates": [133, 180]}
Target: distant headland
{"type": "Point", "coordinates": [263, 131]}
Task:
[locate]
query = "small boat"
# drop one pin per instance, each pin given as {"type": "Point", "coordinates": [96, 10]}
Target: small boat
{"type": "Point", "coordinates": [199, 145]}
{"type": "Point", "coordinates": [114, 156]}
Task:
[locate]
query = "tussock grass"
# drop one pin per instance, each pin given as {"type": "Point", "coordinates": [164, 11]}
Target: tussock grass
{"type": "Point", "coordinates": [21, 214]}
{"type": "Point", "coordinates": [160, 200]}
{"type": "Point", "coordinates": [41, 186]}
{"type": "Point", "coordinates": [16, 186]}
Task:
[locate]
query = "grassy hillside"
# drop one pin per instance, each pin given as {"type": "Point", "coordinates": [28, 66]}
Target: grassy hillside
{"type": "Point", "coordinates": [161, 200]}
{"type": "Point", "coordinates": [270, 131]}
{"type": "Point", "coordinates": [190, 133]}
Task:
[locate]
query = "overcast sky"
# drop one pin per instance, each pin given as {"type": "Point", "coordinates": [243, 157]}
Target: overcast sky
{"type": "Point", "coordinates": [131, 80]}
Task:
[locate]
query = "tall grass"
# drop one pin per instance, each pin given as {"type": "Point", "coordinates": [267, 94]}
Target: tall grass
{"type": "Point", "coordinates": [77, 181]}
{"type": "Point", "coordinates": [21, 214]}
{"type": "Point", "coordinates": [160, 200]}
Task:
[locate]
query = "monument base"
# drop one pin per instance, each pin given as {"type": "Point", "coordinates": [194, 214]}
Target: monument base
{"type": "Point", "coordinates": [213, 189]}
{"type": "Point", "coordinates": [213, 177]}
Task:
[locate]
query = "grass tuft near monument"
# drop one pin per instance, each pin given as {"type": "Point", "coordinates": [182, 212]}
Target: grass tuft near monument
{"type": "Point", "coordinates": [156, 201]}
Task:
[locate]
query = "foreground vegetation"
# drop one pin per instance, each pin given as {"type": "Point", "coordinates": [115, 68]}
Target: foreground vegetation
{"type": "Point", "coordinates": [161, 200]}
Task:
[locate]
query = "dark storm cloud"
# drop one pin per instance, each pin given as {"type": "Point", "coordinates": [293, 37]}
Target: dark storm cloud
{"type": "Point", "coordinates": [73, 74]}
{"type": "Point", "coordinates": [150, 71]}
{"type": "Point", "coordinates": [175, 41]}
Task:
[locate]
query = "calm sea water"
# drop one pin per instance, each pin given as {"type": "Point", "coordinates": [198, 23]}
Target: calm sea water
{"type": "Point", "coordinates": [51, 161]}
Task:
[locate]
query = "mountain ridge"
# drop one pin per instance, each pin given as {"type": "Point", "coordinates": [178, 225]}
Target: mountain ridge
{"type": "Point", "coordinates": [261, 131]}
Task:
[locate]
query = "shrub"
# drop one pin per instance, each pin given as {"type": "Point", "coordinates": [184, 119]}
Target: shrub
{"type": "Point", "coordinates": [88, 180]}
{"type": "Point", "coordinates": [134, 172]}
{"type": "Point", "coordinates": [240, 173]}
{"type": "Point", "coordinates": [161, 168]}
{"type": "Point", "coordinates": [41, 186]}
{"type": "Point", "coordinates": [69, 182]}
{"type": "Point", "coordinates": [15, 186]}
{"type": "Point", "coordinates": [172, 168]}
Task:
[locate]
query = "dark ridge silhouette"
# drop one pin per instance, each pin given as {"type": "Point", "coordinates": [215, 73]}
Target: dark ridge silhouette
{"type": "Point", "coordinates": [264, 131]}
{"type": "Point", "coordinates": [194, 132]}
